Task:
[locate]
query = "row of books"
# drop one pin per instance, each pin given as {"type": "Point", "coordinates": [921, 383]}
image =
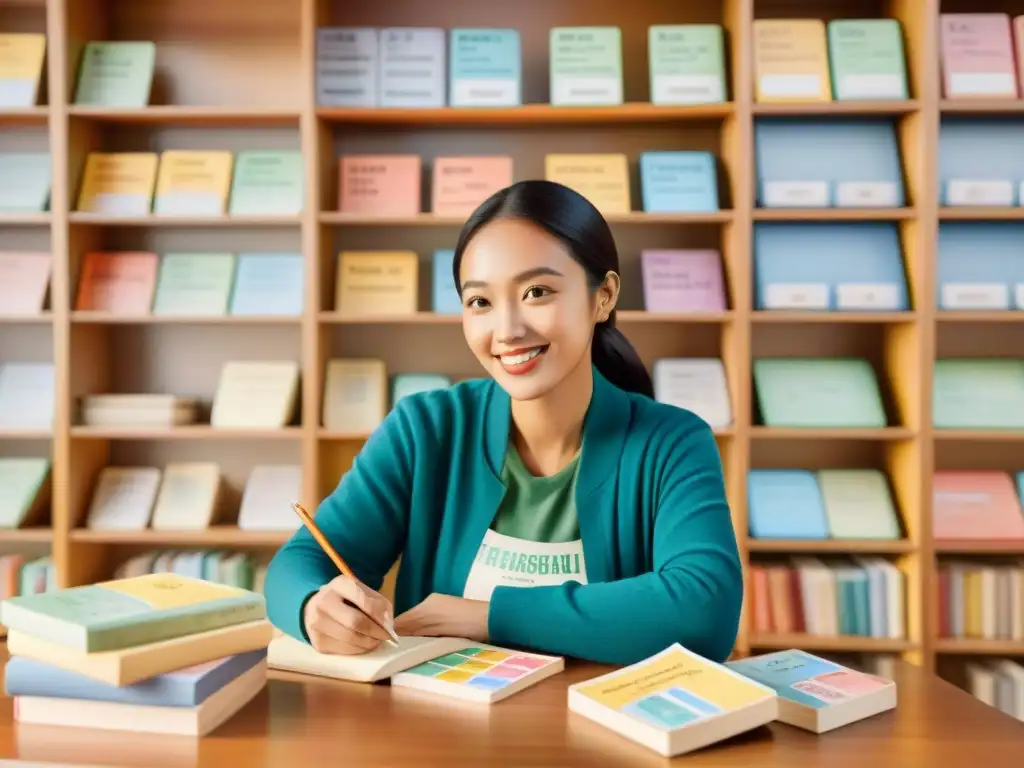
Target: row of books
{"type": "Point", "coordinates": [981, 600]}
{"type": "Point", "coordinates": [233, 569]}
{"type": "Point", "coordinates": [22, 574]}
{"type": "Point", "coordinates": [998, 683]}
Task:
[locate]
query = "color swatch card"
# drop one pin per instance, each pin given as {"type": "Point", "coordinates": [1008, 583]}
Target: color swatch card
{"type": "Point", "coordinates": [867, 59]}
{"type": "Point", "coordinates": [194, 284]}
{"type": "Point", "coordinates": [586, 66]}
{"type": "Point", "coordinates": [258, 394]}
{"type": "Point", "coordinates": [347, 63]}
{"type": "Point", "coordinates": [687, 63]}
{"type": "Point", "coordinates": [485, 673]}
{"type": "Point", "coordinates": [858, 504]}
{"type": "Point", "coordinates": [978, 393]}
{"type": "Point", "coordinates": [413, 66]}
{"type": "Point", "coordinates": [120, 283]}
{"type": "Point", "coordinates": [979, 265]}
{"type": "Point", "coordinates": [791, 60]}
{"type": "Point", "coordinates": [268, 183]}
{"type": "Point", "coordinates": [27, 177]}
{"type": "Point", "coordinates": [864, 271]}
{"type": "Point", "coordinates": [682, 281]}
{"type": "Point", "coordinates": [815, 694]}
{"type": "Point", "coordinates": [678, 182]}
{"type": "Point", "coordinates": [675, 702]}
{"type": "Point", "coordinates": [486, 68]}
{"type": "Point", "coordinates": [981, 162]}
{"type": "Point", "coordinates": [355, 395]}
{"type": "Point", "coordinates": [405, 384]}
{"type": "Point", "coordinates": [602, 179]}
{"type": "Point", "coordinates": [380, 185]}
{"type": "Point", "coordinates": [268, 284]}
{"type": "Point", "coordinates": [119, 183]}
{"type": "Point", "coordinates": [460, 184]}
{"type": "Point", "coordinates": [266, 501]}
{"type": "Point", "coordinates": [818, 393]}
{"type": "Point", "coordinates": [975, 505]}
{"type": "Point", "coordinates": [116, 74]}
{"type": "Point", "coordinates": [977, 55]}
{"type": "Point", "coordinates": [445, 299]}
{"type": "Point", "coordinates": [192, 183]}
{"type": "Point", "coordinates": [21, 69]}
{"type": "Point", "coordinates": [123, 499]}
{"type": "Point", "coordinates": [377, 283]}
{"type": "Point", "coordinates": [695, 384]}
{"type": "Point", "coordinates": [24, 282]}
{"type": "Point", "coordinates": [785, 504]}
{"type": "Point", "coordinates": [26, 396]}
{"type": "Point", "coordinates": [807, 163]}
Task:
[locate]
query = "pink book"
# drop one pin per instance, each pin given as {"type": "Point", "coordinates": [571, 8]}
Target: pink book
{"type": "Point", "coordinates": [380, 185]}
{"type": "Point", "coordinates": [24, 280]}
{"type": "Point", "coordinates": [120, 283]}
{"type": "Point", "coordinates": [977, 55]}
{"type": "Point", "coordinates": [462, 183]}
{"type": "Point", "coordinates": [683, 281]}
{"type": "Point", "coordinates": [976, 505]}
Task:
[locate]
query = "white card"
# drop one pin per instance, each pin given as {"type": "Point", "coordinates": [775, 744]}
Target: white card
{"type": "Point", "coordinates": [975, 296]}
{"type": "Point", "coordinates": [979, 192]}
{"type": "Point", "coordinates": [796, 194]}
{"type": "Point", "coordinates": [867, 296]}
{"type": "Point", "coordinates": [790, 86]}
{"type": "Point", "coordinates": [867, 194]}
{"type": "Point", "coordinates": [796, 296]}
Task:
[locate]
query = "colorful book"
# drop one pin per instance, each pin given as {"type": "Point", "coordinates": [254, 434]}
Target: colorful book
{"type": "Point", "coordinates": [192, 183]}
{"type": "Point", "coordinates": [791, 60]}
{"type": "Point", "coordinates": [267, 183]}
{"type": "Point", "coordinates": [194, 284]}
{"type": "Point", "coordinates": [24, 282]}
{"type": "Point", "coordinates": [602, 179]}
{"type": "Point", "coordinates": [486, 68]}
{"type": "Point", "coordinates": [268, 284]}
{"type": "Point", "coordinates": [586, 66]}
{"type": "Point", "coordinates": [858, 504]}
{"type": "Point", "coordinates": [815, 694]}
{"type": "Point", "coordinates": [121, 613]}
{"type": "Point", "coordinates": [347, 61]}
{"type": "Point", "coordinates": [27, 177]}
{"type": "Point", "coordinates": [121, 283]}
{"type": "Point", "coordinates": [977, 57]}
{"type": "Point", "coordinates": [978, 393]}
{"type": "Point", "coordinates": [678, 182]}
{"type": "Point", "coordinates": [696, 384]}
{"type": "Point", "coordinates": [675, 702]}
{"type": "Point", "coordinates": [116, 74]}
{"type": "Point", "coordinates": [380, 185]}
{"type": "Point", "coordinates": [413, 67]}
{"type": "Point", "coordinates": [683, 281]}
{"type": "Point", "coordinates": [981, 504]}
{"type": "Point", "coordinates": [785, 504]}
{"type": "Point", "coordinates": [867, 59]}
{"type": "Point", "coordinates": [118, 183]}
{"type": "Point", "coordinates": [818, 393]}
{"type": "Point", "coordinates": [461, 184]}
{"type": "Point", "coordinates": [687, 63]}
{"type": "Point", "coordinates": [21, 69]}
{"type": "Point", "coordinates": [377, 283]}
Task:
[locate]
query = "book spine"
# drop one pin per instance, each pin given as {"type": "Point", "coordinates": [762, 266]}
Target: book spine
{"type": "Point", "coordinates": [166, 626]}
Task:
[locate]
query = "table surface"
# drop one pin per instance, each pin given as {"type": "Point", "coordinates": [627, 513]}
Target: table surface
{"type": "Point", "coordinates": [299, 720]}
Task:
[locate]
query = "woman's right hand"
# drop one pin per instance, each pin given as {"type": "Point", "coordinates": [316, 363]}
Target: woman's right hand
{"type": "Point", "coordinates": [335, 620]}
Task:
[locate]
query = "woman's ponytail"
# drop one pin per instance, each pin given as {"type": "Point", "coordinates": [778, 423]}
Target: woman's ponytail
{"type": "Point", "coordinates": [618, 361]}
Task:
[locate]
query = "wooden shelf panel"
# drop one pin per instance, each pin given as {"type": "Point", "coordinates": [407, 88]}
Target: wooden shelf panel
{"type": "Point", "coordinates": [795, 316]}
{"type": "Point", "coordinates": [152, 220]}
{"type": "Point", "coordinates": [434, 318]}
{"type": "Point", "coordinates": [797, 433]}
{"type": "Point", "coordinates": [199, 116]}
{"type": "Point", "coordinates": [979, 435]}
{"type": "Point", "coordinates": [525, 115]}
{"type": "Point", "coordinates": [981, 213]}
{"type": "Point", "coordinates": [105, 318]}
{"type": "Point", "coordinates": [981, 106]}
{"type": "Point", "coordinates": [25, 219]}
{"type": "Point", "coordinates": [976, 647]}
{"type": "Point", "coordinates": [26, 535]}
{"type": "Point", "coordinates": [45, 318]}
{"type": "Point", "coordinates": [336, 218]}
{"type": "Point", "coordinates": [216, 536]}
{"type": "Point", "coordinates": [979, 547]}
{"type": "Point", "coordinates": [27, 116]}
{"type": "Point", "coordinates": [834, 214]}
{"type": "Point", "coordinates": [838, 643]}
{"type": "Point", "coordinates": [829, 546]}
{"type": "Point", "coordinates": [1004, 316]}
{"type": "Point", "coordinates": [818, 108]}
{"type": "Point", "coordinates": [191, 432]}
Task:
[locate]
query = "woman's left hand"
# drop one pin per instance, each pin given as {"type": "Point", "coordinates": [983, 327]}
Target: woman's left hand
{"type": "Point", "coordinates": [445, 616]}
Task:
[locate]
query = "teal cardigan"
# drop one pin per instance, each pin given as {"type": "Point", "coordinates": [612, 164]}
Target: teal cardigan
{"type": "Point", "coordinates": [657, 535]}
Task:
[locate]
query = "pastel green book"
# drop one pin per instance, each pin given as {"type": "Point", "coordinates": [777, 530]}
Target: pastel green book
{"type": "Point", "coordinates": [24, 486]}
{"type": "Point", "coordinates": [267, 183]}
{"type": "Point", "coordinates": [858, 504]}
{"type": "Point", "coordinates": [193, 284]}
{"type": "Point", "coordinates": [25, 185]}
{"type": "Point", "coordinates": [866, 59]}
{"type": "Point", "coordinates": [124, 613]}
{"type": "Point", "coordinates": [687, 63]}
{"type": "Point", "coordinates": [116, 74]}
{"type": "Point", "coordinates": [978, 393]}
{"type": "Point", "coordinates": [818, 393]}
{"type": "Point", "coordinates": [586, 66]}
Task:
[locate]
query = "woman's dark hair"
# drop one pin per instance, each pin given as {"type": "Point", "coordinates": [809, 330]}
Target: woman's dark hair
{"type": "Point", "coordinates": [575, 221]}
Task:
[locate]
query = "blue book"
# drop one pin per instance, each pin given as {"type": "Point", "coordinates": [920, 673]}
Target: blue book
{"type": "Point", "coordinates": [187, 687]}
{"type": "Point", "coordinates": [981, 162]}
{"type": "Point", "coordinates": [678, 182]}
{"type": "Point", "coordinates": [268, 284]}
{"type": "Point", "coordinates": [815, 694]}
{"type": "Point", "coordinates": [837, 266]}
{"type": "Point", "coordinates": [820, 163]}
{"type": "Point", "coordinates": [980, 266]}
{"type": "Point", "coordinates": [785, 504]}
{"type": "Point", "coordinates": [445, 296]}
{"type": "Point", "coordinates": [485, 68]}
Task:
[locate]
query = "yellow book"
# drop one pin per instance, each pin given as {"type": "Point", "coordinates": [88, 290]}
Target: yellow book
{"type": "Point", "coordinates": [119, 183]}
{"type": "Point", "coordinates": [791, 61]}
{"type": "Point", "coordinates": [675, 702]}
{"type": "Point", "coordinates": [193, 183]}
{"type": "Point", "coordinates": [602, 179]}
{"type": "Point", "coordinates": [21, 67]}
{"type": "Point", "coordinates": [377, 283]}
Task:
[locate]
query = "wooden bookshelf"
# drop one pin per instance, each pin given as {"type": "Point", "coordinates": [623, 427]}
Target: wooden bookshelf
{"type": "Point", "coordinates": [237, 75]}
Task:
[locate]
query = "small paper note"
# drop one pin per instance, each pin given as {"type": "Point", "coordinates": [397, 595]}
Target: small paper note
{"type": "Point", "coordinates": [867, 59]}
{"type": "Point", "coordinates": [977, 55]}
{"type": "Point", "coordinates": [355, 395]}
{"type": "Point", "coordinates": [682, 281]}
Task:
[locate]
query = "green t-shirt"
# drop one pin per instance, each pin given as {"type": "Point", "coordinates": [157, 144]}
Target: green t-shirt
{"type": "Point", "coordinates": [538, 508]}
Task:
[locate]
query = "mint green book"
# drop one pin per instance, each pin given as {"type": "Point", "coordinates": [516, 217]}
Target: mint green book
{"type": "Point", "coordinates": [687, 63]}
{"type": "Point", "coordinates": [123, 613]}
{"type": "Point", "coordinates": [116, 74]}
{"type": "Point", "coordinates": [267, 183]}
{"type": "Point", "coordinates": [194, 284]}
{"type": "Point", "coordinates": [828, 393]}
{"type": "Point", "coordinates": [25, 185]}
{"type": "Point", "coordinates": [24, 490]}
{"type": "Point", "coordinates": [978, 393]}
{"type": "Point", "coordinates": [586, 66]}
{"type": "Point", "coordinates": [858, 504]}
{"type": "Point", "coordinates": [866, 59]}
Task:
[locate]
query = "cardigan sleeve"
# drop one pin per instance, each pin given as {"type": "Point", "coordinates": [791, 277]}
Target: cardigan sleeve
{"type": "Point", "coordinates": [364, 519]}
{"type": "Point", "coordinates": [692, 596]}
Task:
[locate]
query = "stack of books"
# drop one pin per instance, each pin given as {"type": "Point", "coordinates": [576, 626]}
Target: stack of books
{"type": "Point", "coordinates": [158, 653]}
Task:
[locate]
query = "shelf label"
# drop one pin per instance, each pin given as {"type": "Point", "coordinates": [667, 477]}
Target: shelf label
{"type": "Point", "coordinates": [975, 296]}
{"type": "Point", "coordinates": [796, 194]}
{"type": "Point", "coordinates": [872, 87]}
{"type": "Point", "coordinates": [868, 296]}
{"type": "Point", "coordinates": [979, 192]}
{"type": "Point", "coordinates": [867, 194]}
{"type": "Point", "coordinates": [796, 296]}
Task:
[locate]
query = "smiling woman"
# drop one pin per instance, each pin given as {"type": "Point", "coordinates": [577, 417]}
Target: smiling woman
{"type": "Point", "coordinates": [553, 505]}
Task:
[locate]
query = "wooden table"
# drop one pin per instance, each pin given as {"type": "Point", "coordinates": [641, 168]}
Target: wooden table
{"type": "Point", "coordinates": [299, 721]}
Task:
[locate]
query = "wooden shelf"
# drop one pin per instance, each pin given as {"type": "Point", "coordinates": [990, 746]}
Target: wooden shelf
{"type": "Point", "coordinates": [852, 433]}
{"type": "Point", "coordinates": [191, 432]}
{"type": "Point", "coordinates": [29, 116]}
{"type": "Point", "coordinates": [105, 318]}
{"type": "Point", "coordinates": [980, 106]}
{"type": "Point", "coordinates": [193, 116]}
{"type": "Point", "coordinates": [433, 318]}
{"type": "Point", "coordinates": [980, 547]}
{"type": "Point", "coordinates": [152, 220]}
{"type": "Point", "coordinates": [26, 535]}
{"type": "Point", "coordinates": [335, 218]}
{"type": "Point", "coordinates": [526, 115]}
{"type": "Point", "coordinates": [979, 435]}
{"type": "Point", "coordinates": [867, 108]}
{"type": "Point", "coordinates": [962, 646]}
{"type": "Point", "coordinates": [216, 536]}
{"type": "Point", "coordinates": [797, 316]}
{"type": "Point", "coordinates": [834, 214]}
{"type": "Point", "coordinates": [839, 643]}
{"type": "Point", "coordinates": [1005, 316]}
{"type": "Point", "coordinates": [827, 546]}
{"type": "Point", "coordinates": [45, 318]}
{"type": "Point", "coordinates": [981, 213]}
